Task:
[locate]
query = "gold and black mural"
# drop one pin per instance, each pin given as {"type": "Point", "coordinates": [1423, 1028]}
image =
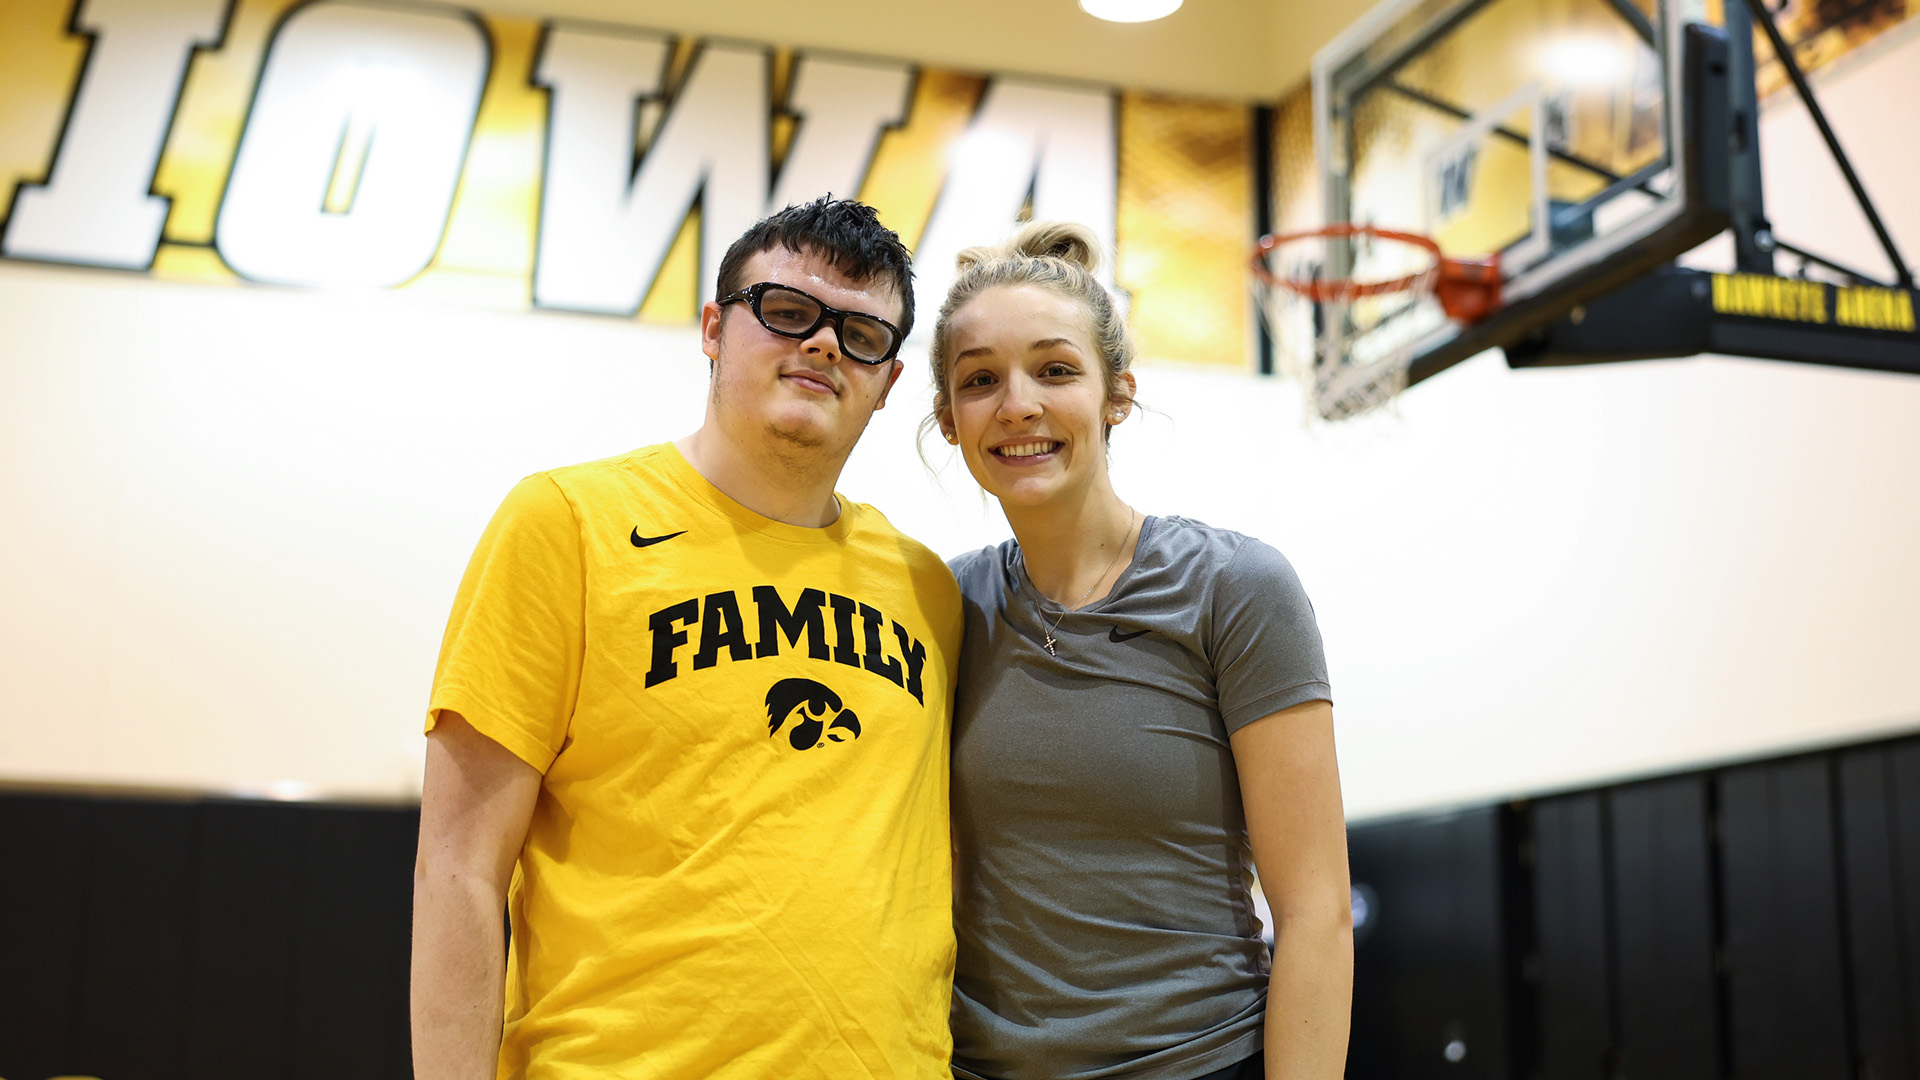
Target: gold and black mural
{"type": "Point", "coordinates": [513, 163]}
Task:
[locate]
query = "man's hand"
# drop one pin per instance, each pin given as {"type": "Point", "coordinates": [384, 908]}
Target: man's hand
{"type": "Point", "coordinates": [475, 805]}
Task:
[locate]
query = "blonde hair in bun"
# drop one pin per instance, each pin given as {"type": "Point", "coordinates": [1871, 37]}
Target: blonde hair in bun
{"type": "Point", "coordinates": [1056, 255]}
{"type": "Point", "coordinates": [1061, 240]}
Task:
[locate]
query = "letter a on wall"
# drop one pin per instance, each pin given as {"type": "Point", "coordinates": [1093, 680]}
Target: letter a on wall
{"type": "Point", "coordinates": [1052, 144]}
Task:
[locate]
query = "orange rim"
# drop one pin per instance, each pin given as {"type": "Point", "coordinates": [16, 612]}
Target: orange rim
{"type": "Point", "coordinates": [1322, 290]}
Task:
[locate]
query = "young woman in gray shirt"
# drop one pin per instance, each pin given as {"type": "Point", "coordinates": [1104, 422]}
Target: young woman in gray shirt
{"type": "Point", "coordinates": [1143, 717]}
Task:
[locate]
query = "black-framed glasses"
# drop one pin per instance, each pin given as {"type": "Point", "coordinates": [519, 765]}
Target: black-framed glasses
{"type": "Point", "coordinates": [789, 312]}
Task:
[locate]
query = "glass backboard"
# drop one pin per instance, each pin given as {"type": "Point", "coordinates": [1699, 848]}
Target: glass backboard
{"type": "Point", "coordinates": [1562, 135]}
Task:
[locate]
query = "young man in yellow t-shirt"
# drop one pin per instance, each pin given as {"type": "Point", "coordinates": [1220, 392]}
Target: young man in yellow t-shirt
{"type": "Point", "coordinates": [689, 727]}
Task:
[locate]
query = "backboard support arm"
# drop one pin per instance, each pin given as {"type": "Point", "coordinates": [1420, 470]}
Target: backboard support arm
{"type": "Point", "coordinates": [1806, 257]}
{"type": "Point", "coordinates": [1784, 51]}
{"type": "Point", "coordinates": [1753, 241]}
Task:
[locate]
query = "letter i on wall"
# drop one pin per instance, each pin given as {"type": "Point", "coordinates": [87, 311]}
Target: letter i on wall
{"type": "Point", "coordinates": [96, 207]}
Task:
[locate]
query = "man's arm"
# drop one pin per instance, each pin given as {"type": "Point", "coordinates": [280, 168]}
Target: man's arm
{"type": "Point", "coordinates": [474, 809]}
{"type": "Point", "coordinates": [1290, 784]}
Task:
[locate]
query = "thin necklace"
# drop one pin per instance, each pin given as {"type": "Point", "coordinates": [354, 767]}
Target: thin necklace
{"type": "Point", "coordinates": [1096, 584]}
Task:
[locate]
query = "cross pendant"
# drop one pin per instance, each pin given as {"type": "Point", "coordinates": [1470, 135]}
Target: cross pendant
{"type": "Point", "coordinates": [1049, 644]}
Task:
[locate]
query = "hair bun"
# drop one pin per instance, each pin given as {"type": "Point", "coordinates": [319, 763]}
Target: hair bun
{"type": "Point", "coordinates": [1064, 240]}
{"type": "Point", "coordinates": [975, 256]}
{"type": "Point", "coordinates": [1071, 243]}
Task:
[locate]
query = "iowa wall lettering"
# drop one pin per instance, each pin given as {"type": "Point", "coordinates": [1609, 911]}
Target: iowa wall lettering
{"type": "Point", "coordinates": [575, 167]}
{"type": "Point", "coordinates": [711, 145]}
{"type": "Point", "coordinates": [331, 143]}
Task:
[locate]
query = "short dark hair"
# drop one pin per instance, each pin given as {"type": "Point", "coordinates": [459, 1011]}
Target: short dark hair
{"type": "Point", "coordinates": [846, 233]}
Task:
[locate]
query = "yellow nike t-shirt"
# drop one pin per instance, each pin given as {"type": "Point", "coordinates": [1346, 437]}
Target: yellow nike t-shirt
{"type": "Point", "coordinates": [738, 865]}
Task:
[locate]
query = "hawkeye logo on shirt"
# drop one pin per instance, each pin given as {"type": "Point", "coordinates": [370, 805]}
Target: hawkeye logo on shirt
{"type": "Point", "coordinates": [813, 700]}
{"type": "Point", "coordinates": [721, 623]}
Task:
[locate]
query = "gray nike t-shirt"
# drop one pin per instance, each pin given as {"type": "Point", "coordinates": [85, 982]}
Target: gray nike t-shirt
{"type": "Point", "coordinates": [1101, 893]}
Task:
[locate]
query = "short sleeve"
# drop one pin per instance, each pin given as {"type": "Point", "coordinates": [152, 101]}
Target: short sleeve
{"type": "Point", "coordinates": [510, 662]}
{"type": "Point", "coordinates": [1266, 649]}
{"type": "Point", "coordinates": [961, 563]}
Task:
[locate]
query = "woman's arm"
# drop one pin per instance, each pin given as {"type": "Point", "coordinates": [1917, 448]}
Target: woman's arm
{"type": "Point", "coordinates": [1290, 784]}
{"type": "Point", "coordinates": [474, 810]}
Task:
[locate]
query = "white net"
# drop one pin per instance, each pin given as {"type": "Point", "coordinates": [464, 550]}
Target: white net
{"type": "Point", "coordinates": [1348, 346]}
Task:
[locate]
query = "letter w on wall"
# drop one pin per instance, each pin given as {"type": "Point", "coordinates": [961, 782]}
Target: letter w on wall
{"type": "Point", "coordinates": [605, 225]}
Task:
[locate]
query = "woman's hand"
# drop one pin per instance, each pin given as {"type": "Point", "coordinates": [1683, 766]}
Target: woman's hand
{"type": "Point", "coordinates": [1290, 784]}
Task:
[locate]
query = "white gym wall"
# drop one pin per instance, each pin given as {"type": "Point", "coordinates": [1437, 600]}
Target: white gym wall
{"type": "Point", "coordinates": [234, 519]}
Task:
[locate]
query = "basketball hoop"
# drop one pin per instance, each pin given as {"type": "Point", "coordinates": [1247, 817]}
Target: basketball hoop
{"type": "Point", "coordinates": [1346, 317]}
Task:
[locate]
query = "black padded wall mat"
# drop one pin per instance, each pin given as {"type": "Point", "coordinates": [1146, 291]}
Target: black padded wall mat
{"type": "Point", "coordinates": [44, 860]}
{"type": "Point", "coordinates": [1741, 923]}
{"type": "Point", "coordinates": [1573, 977]}
{"type": "Point", "coordinates": [1750, 922]}
{"type": "Point", "coordinates": [146, 939]}
{"type": "Point", "coordinates": [1786, 979]}
{"type": "Point", "coordinates": [1432, 995]}
{"type": "Point", "coordinates": [1662, 901]}
{"type": "Point", "coordinates": [1623, 915]}
{"type": "Point", "coordinates": [1880, 832]}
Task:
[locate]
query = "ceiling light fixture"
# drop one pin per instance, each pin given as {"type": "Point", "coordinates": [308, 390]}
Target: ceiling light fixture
{"type": "Point", "coordinates": [1130, 10]}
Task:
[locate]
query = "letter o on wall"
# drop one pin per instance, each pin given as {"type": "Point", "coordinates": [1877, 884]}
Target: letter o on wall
{"type": "Point", "coordinates": [391, 93]}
